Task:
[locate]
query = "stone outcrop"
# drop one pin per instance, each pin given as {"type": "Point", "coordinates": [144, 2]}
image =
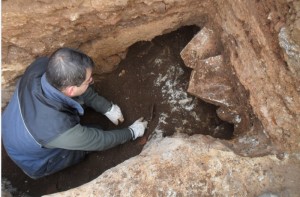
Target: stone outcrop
{"type": "Point", "coordinates": [194, 166]}
{"type": "Point", "coordinates": [254, 53]}
{"type": "Point", "coordinates": [215, 81]}
{"type": "Point", "coordinates": [250, 54]}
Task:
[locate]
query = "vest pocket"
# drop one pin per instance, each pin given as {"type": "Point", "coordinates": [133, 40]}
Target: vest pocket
{"type": "Point", "coordinates": [63, 160]}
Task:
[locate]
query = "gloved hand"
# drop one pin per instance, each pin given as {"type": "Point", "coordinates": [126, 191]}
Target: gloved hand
{"type": "Point", "coordinates": [114, 114]}
{"type": "Point", "coordinates": [138, 128]}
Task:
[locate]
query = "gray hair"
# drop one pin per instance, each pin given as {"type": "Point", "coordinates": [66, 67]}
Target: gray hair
{"type": "Point", "coordinates": [67, 67]}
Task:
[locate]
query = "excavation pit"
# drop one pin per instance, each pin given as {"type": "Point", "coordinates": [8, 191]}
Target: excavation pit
{"type": "Point", "coordinates": [260, 43]}
{"type": "Point", "coordinates": [150, 82]}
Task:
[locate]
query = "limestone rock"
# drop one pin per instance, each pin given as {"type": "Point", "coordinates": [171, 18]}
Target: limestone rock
{"type": "Point", "coordinates": [214, 81]}
{"type": "Point", "coordinates": [293, 21]}
{"type": "Point", "coordinates": [291, 52]}
{"type": "Point", "coordinates": [208, 45]}
{"type": "Point", "coordinates": [194, 166]}
{"type": "Point", "coordinates": [273, 90]}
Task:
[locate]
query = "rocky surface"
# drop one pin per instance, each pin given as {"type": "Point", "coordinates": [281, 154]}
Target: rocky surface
{"type": "Point", "coordinates": [214, 81]}
{"type": "Point", "coordinates": [257, 41]}
{"type": "Point", "coordinates": [102, 29]}
{"type": "Point", "coordinates": [256, 58]}
{"type": "Point", "coordinates": [194, 166]}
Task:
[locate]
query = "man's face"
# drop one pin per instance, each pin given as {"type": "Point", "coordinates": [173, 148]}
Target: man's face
{"type": "Point", "coordinates": [79, 90]}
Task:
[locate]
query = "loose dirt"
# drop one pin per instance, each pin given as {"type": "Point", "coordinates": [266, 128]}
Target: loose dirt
{"type": "Point", "coordinates": [151, 83]}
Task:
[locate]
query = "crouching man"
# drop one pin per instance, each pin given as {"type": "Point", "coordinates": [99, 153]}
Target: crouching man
{"type": "Point", "coordinates": [41, 128]}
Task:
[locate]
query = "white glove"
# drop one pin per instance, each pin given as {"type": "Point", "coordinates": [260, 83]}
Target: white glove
{"type": "Point", "coordinates": [138, 128]}
{"type": "Point", "coordinates": [114, 114]}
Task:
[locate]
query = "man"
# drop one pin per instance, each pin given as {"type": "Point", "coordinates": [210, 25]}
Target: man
{"type": "Point", "coordinates": [41, 127]}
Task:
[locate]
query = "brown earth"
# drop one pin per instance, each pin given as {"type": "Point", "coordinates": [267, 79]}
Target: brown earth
{"type": "Point", "coordinates": [151, 82]}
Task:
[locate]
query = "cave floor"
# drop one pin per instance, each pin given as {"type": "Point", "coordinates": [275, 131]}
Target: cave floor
{"type": "Point", "coordinates": [150, 82]}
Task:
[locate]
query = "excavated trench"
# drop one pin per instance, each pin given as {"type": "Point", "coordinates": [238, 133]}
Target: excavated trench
{"type": "Point", "coordinates": [152, 82]}
{"type": "Point", "coordinates": [248, 80]}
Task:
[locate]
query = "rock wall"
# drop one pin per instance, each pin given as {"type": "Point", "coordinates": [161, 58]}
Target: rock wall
{"type": "Point", "coordinates": [251, 43]}
{"type": "Point", "coordinates": [241, 69]}
{"type": "Point", "coordinates": [257, 40]}
{"type": "Point", "coordinates": [214, 80]}
{"type": "Point", "coordinates": [102, 29]}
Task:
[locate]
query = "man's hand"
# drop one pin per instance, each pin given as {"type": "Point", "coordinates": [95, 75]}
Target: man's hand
{"type": "Point", "coordinates": [115, 115]}
{"type": "Point", "coordinates": [138, 128]}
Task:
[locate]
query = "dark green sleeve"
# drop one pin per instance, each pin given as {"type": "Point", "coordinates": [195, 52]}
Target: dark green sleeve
{"type": "Point", "coordinates": [90, 139]}
{"type": "Point", "coordinates": [92, 99]}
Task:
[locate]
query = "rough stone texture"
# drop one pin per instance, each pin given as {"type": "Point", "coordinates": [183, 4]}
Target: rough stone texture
{"type": "Point", "coordinates": [259, 43]}
{"type": "Point", "coordinates": [256, 60]}
{"type": "Point", "coordinates": [214, 81]}
{"type": "Point", "coordinates": [293, 21]}
{"type": "Point", "coordinates": [207, 168]}
{"type": "Point", "coordinates": [102, 29]}
{"type": "Point", "coordinates": [204, 45]}
{"type": "Point", "coordinates": [291, 52]}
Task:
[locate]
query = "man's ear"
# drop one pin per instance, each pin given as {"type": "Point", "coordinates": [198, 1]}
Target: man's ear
{"type": "Point", "coordinates": [69, 91]}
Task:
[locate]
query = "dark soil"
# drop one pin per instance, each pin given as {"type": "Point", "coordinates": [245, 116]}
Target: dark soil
{"type": "Point", "coordinates": [151, 83]}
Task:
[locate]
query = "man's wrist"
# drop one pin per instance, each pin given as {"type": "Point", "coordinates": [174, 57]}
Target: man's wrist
{"type": "Point", "coordinates": [132, 133]}
{"type": "Point", "coordinates": [110, 107]}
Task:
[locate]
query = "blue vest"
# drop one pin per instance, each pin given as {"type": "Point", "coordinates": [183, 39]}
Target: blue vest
{"type": "Point", "coordinates": [37, 114]}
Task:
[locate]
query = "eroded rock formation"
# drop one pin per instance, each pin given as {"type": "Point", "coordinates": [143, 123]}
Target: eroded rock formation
{"type": "Point", "coordinates": [257, 41]}
{"type": "Point", "coordinates": [215, 81]}
{"type": "Point", "coordinates": [254, 53]}
{"type": "Point", "coordinates": [194, 166]}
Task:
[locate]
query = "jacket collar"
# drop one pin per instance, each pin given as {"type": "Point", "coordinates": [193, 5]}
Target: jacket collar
{"type": "Point", "coordinates": [54, 94]}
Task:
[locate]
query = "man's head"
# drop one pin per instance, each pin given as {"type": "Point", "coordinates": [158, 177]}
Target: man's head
{"type": "Point", "coordinates": [70, 71]}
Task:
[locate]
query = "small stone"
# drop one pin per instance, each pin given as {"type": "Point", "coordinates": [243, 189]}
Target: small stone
{"type": "Point", "coordinates": [122, 73]}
